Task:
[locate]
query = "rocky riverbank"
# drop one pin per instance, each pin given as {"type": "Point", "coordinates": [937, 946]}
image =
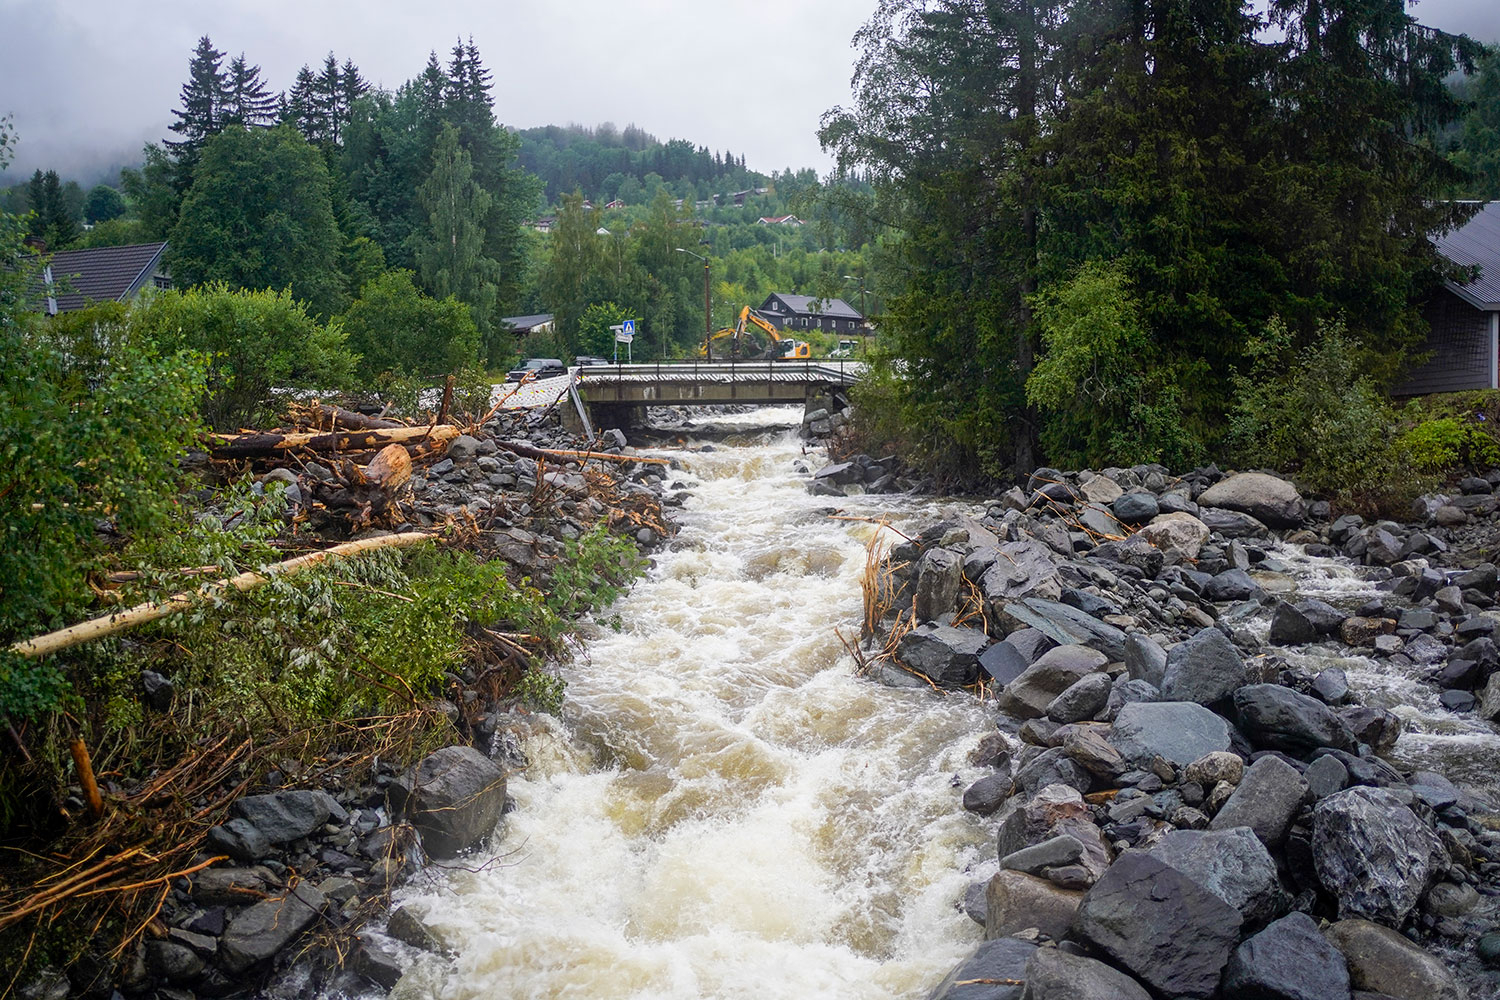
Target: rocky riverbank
{"type": "Point", "coordinates": [1180, 808]}
{"type": "Point", "coordinates": [297, 863]}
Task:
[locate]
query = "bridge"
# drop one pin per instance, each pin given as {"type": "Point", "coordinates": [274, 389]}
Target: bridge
{"type": "Point", "coordinates": [612, 393]}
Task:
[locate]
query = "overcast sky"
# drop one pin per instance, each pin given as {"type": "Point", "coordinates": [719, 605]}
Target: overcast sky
{"type": "Point", "coordinates": [89, 80]}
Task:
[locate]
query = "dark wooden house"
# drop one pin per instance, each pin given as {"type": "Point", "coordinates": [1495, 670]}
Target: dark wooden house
{"type": "Point", "coordinates": [805, 312]}
{"type": "Point", "coordinates": [1463, 345]}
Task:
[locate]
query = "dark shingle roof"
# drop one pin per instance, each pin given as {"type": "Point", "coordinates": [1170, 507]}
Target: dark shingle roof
{"type": "Point", "coordinates": [1477, 244]}
{"type": "Point", "coordinates": [799, 304]}
{"type": "Point", "coordinates": [102, 274]}
{"type": "Point", "coordinates": [526, 322]}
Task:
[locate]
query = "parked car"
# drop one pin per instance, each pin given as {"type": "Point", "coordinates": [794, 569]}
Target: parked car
{"type": "Point", "coordinates": [584, 360]}
{"type": "Point", "coordinates": [542, 367]}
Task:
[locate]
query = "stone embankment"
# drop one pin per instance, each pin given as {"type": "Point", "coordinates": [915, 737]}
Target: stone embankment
{"type": "Point", "coordinates": [311, 856]}
{"type": "Point", "coordinates": [1179, 809]}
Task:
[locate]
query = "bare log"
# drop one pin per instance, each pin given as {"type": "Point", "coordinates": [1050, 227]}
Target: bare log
{"type": "Point", "coordinates": [265, 443]}
{"type": "Point", "coordinates": [141, 614]}
{"type": "Point", "coordinates": [342, 419]}
{"type": "Point", "coordinates": [528, 451]}
{"type": "Point", "coordinates": [86, 776]}
{"type": "Point", "coordinates": [390, 469]}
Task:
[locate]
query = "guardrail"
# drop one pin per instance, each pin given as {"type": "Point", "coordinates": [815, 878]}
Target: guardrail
{"type": "Point", "coordinates": [839, 371]}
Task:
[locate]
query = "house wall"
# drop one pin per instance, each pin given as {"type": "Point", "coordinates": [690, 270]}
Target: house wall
{"type": "Point", "coordinates": [1462, 348]}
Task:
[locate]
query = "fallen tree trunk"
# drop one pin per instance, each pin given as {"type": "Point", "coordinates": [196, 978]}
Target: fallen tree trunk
{"type": "Point", "coordinates": [263, 443]}
{"type": "Point", "coordinates": [340, 418]}
{"type": "Point", "coordinates": [528, 451]}
{"type": "Point", "coordinates": [141, 614]}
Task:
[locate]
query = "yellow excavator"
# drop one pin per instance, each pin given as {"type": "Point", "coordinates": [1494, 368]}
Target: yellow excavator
{"type": "Point", "coordinates": [737, 342]}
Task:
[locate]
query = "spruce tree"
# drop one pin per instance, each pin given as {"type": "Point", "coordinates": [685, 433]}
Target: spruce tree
{"type": "Point", "coordinates": [302, 109]}
{"type": "Point", "coordinates": [203, 97]}
{"type": "Point", "coordinates": [247, 100]}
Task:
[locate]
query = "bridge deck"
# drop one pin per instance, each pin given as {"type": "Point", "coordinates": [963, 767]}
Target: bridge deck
{"type": "Point", "coordinates": [687, 382]}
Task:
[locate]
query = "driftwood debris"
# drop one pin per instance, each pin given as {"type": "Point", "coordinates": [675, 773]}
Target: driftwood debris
{"type": "Point", "coordinates": [369, 491]}
{"type": "Point", "coordinates": [527, 451]}
{"type": "Point", "coordinates": [111, 624]}
{"type": "Point", "coordinates": [267, 443]}
{"type": "Point", "coordinates": [338, 418]}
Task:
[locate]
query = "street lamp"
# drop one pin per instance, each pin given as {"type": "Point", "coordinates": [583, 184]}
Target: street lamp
{"type": "Point", "coordinates": [864, 320]}
{"type": "Point", "coordinates": [707, 303]}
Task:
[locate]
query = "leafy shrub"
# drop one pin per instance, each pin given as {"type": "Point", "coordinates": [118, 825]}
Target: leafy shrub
{"type": "Point", "coordinates": [1106, 395]}
{"type": "Point", "coordinates": [1315, 412]}
{"type": "Point", "coordinates": [1445, 444]}
{"type": "Point", "coordinates": [395, 328]}
{"type": "Point", "coordinates": [255, 342]}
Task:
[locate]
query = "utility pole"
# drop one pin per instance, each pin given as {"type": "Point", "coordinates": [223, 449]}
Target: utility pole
{"type": "Point", "coordinates": [708, 326]}
{"type": "Point", "coordinates": [864, 319]}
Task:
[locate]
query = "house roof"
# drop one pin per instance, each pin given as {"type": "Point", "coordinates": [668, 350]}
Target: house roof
{"type": "Point", "coordinates": [1477, 244]}
{"type": "Point", "coordinates": [803, 304]}
{"type": "Point", "coordinates": [522, 323]}
{"type": "Point", "coordinates": [102, 274]}
{"type": "Point", "coordinates": [779, 220]}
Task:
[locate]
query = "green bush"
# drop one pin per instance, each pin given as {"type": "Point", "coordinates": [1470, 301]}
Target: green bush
{"type": "Point", "coordinates": [1315, 412]}
{"type": "Point", "coordinates": [255, 342]}
{"type": "Point", "coordinates": [1446, 444]}
{"type": "Point", "coordinates": [395, 328]}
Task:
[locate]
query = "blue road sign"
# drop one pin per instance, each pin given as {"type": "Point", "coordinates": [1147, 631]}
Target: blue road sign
{"type": "Point", "coordinates": [629, 327]}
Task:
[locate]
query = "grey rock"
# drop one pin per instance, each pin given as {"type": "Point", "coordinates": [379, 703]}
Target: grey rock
{"type": "Point", "coordinates": [1054, 974]}
{"type": "Point", "coordinates": [939, 576]}
{"type": "Point", "coordinates": [1145, 659]}
{"type": "Point", "coordinates": [1373, 854]}
{"type": "Point", "coordinates": [1028, 820]}
{"type": "Point", "coordinates": [998, 960]}
{"type": "Point", "coordinates": [260, 931]}
{"type": "Point", "coordinates": [231, 886]}
{"type": "Point", "coordinates": [1273, 717]}
{"type": "Point", "coordinates": [1231, 585]}
{"type": "Point", "coordinates": [1088, 746]}
{"type": "Point", "coordinates": [1289, 960]}
{"type": "Point", "coordinates": [1052, 767]}
{"type": "Point", "coordinates": [158, 690]}
{"type": "Point", "coordinates": [974, 904]}
{"type": "Point", "coordinates": [1325, 776]}
{"type": "Point", "coordinates": [1025, 569]}
{"type": "Point", "coordinates": [1066, 625]}
{"type": "Point", "coordinates": [173, 962]}
{"type": "Point", "coordinates": [1016, 901]}
{"type": "Point", "coordinates": [1332, 686]}
{"type": "Point", "coordinates": [456, 799]}
{"type": "Point", "coordinates": [1167, 930]}
{"type": "Point", "coordinates": [1031, 643]}
{"type": "Point", "coordinates": [840, 474]}
{"type": "Point", "coordinates": [1374, 726]}
{"type": "Point", "coordinates": [1266, 800]}
{"type": "Point", "coordinates": [948, 655]}
{"type": "Point", "coordinates": [240, 839]}
{"type": "Point", "coordinates": [1028, 696]}
{"type": "Point", "coordinates": [987, 794]}
{"type": "Point", "coordinates": [1052, 853]}
{"type": "Point", "coordinates": [1212, 768]}
{"type": "Point", "coordinates": [1290, 627]}
{"type": "Point", "coordinates": [1136, 508]}
{"type": "Point", "coordinates": [1434, 789]}
{"type": "Point", "coordinates": [285, 816]}
{"type": "Point", "coordinates": [1178, 534]}
{"type": "Point", "coordinates": [1003, 662]}
{"type": "Point", "coordinates": [1178, 731]}
{"type": "Point", "coordinates": [378, 965]}
{"type": "Point", "coordinates": [463, 447]}
{"type": "Point", "coordinates": [1267, 498]}
{"type": "Point", "coordinates": [1204, 669]}
{"type": "Point", "coordinates": [1383, 961]}
{"type": "Point", "coordinates": [1232, 523]}
{"type": "Point", "coordinates": [1124, 692]}
{"type": "Point", "coordinates": [408, 928]}
{"type": "Point", "coordinates": [1451, 899]}
{"type": "Point", "coordinates": [1232, 864]}
{"type": "Point", "coordinates": [1324, 616]}
{"type": "Point", "coordinates": [1084, 699]}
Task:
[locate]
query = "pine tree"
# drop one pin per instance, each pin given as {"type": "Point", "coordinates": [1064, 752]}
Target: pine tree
{"type": "Point", "coordinates": [328, 93]}
{"type": "Point", "coordinates": [353, 87]}
{"type": "Point", "coordinates": [302, 109]}
{"type": "Point", "coordinates": [247, 100]}
{"type": "Point", "coordinates": [202, 101]}
{"type": "Point", "coordinates": [452, 260]}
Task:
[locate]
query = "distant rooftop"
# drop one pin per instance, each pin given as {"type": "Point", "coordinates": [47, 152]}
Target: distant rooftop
{"type": "Point", "coordinates": [1477, 244]}
{"type": "Point", "coordinates": [798, 304]}
{"type": "Point", "coordinates": [101, 274]}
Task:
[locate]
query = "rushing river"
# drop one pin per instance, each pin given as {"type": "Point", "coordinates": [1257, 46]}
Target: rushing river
{"type": "Point", "coordinates": [727, 810]}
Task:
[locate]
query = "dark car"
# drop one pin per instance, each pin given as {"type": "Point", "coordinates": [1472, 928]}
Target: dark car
{"type": "Point", "coordinates": [591, 360]}
{"type": "Point", "coordinates": [542, 367]}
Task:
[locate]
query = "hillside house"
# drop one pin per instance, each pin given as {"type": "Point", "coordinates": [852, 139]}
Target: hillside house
{"type": "Point", "coordinates": [73, 279]}
{"type": "Point", "coordinates": [804, 312]}
{"type": "Point", "coordinates": [779, 220]}
{"type": "Point", "coordinates": [1463, 343]}
{"type": "Point", "coordinates": [521, 326]}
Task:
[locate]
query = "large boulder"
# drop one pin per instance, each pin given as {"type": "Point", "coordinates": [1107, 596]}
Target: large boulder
{"type": "Point", "coordinates": [1373, 854]}
{"type": "Point", "coordinates": [1266, 800]}
{"type": "Point", "coordinates": [939, 577]}
{"type": "Point", "coordinates": [1204, 669]}
{"type": "Point", "coordinates": [1273, 717]}
{"type": "Point", "coordinates": [1289, 960]}
{"type": "Point", "coordinates": [258, 932]}
{"type": "Point", "coordinates": [1232, 523]}
{"type": "Point", "coordinates": [1067, 625]}
{"type": "Point", "coordinates": [994, 971]}
{"type": "Point", "coordinates": [1166, 929]}
{"type": "Point", "coordinates": [1085, 699]}
{"type": "Point", "coordinates": [286, 816]}
{"type": "Point", "coordinates": [1385, 962]}
{"type": "Point", "coordinates": [1054, 974]}
{"type": "Point", "coordinates": [456, 798]}
{"type": "Point", "coordinates": [1179, 731]}
{"type": "Point", "coordinates": [1028, 696]}
{"type": "Point", "coordinates": [1024, 569]}
{"type": "Point", "coordinates": [1016, 901]}
{"type": "Point", "coordinates": [1180, 536]}
{"type": "Point", "coordinates": [1266, 498]}
{"type": "Point", "coordinates": [1145, 659]}
{"type": "Point", "coordinates": [947, 655]}
{"type": "Point", "coordinates": [1026, 820]}
{"type": "Point", "coordinates": [1232, 864]}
